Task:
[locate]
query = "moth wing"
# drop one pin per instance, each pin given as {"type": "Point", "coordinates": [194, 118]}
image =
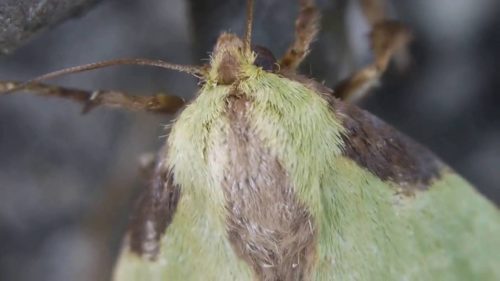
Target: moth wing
{"type": "Point", "coordinates": [152, 215]}
{"type": "Point", "coordinates": [400, 211]}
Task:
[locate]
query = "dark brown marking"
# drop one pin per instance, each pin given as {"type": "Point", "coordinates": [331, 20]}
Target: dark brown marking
{"type": "Point", "coordinates": [386, 152]}
{"type": "Point", "coordinates": [378, 147]}
{"type": "Point", "coordinates": [267, 225]}
{"type": "Point", "coordinates": [265, 58]}
{"type": "Point", "coordinates": [153, 214]}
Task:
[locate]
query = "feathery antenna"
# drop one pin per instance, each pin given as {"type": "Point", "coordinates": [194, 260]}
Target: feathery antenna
{"type": "Point", "coordinates": [249, 22]}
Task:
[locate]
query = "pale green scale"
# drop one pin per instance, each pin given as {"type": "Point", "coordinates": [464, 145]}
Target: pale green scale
{"type": "Point", "coordinates": [197, 233]}
{"type": "Point", "coordinates": [366, 231]}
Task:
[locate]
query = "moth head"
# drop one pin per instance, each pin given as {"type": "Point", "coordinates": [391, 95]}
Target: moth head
{"type": "Point", "coordinates": [227, 59]}
{"type": "Point", "coordinates": [230, 56]}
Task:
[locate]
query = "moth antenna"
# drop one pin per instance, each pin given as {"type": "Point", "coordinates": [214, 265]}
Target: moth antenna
{"type": "Point", "coordinates": [248, 29]}
{"type": "Point", "coordinates": [193, 70]}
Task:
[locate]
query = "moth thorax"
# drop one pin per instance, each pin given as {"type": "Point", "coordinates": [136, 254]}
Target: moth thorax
{"type": "Point", "coordinates": [227, 58]}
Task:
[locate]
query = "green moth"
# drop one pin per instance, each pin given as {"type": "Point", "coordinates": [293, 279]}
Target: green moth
{"type": "Point", "coordinates": [270, 175]}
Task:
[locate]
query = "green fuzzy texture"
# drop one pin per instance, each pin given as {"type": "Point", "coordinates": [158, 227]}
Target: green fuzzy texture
{"type": "Point", "coordinates": [195, 245]}
{"type": "Point", "coordinates": [366, 230]}
{"type": "Point", "coordinates": [449, 232]}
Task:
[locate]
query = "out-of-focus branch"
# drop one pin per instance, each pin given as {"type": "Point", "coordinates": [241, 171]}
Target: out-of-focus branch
{"type": "Point", "coordinates": [22, 19]}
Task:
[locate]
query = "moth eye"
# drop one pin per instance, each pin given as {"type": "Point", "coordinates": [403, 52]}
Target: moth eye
{"type": "Point", "coordinates": [265, 58]}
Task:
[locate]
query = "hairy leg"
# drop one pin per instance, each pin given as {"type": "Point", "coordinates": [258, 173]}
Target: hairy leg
{"type": "Point", "coordinates": [388, 39]}
{"type": "Point", "coordinates": [306, 29]}
{"type": "Point", "coordinates": [159, 103]}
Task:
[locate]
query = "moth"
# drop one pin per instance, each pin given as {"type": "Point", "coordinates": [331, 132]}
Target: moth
{"type": "Point", "coordinates": [270, 175]}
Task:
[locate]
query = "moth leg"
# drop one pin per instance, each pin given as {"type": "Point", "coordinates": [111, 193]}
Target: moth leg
{"type": "Point", "coordinates": [387, 38]}
{"type": "Point", "coordinates": [159, 103]}
{"type": "Point", "coordinates": [306, 29]}
{"type": "Point", "coordinates": [375, 12]}
{"type": "Point", "coordinates": [388, 41]}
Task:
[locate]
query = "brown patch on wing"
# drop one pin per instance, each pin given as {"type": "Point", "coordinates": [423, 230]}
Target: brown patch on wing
{"type": "Point", "coordinates": [378, 147]}
{"type": "Point", "coordinates": [384, 151]}
{"type": "Point", "coordinates": [267, 225]}
{"type": "Point", "coordinates": [153, 214]}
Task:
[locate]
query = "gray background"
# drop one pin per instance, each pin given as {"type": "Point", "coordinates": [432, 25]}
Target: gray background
{"type": "Point", "coordinates": [67, 180]}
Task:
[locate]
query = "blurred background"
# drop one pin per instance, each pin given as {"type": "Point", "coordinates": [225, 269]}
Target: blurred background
{"type": "Point", "coordinates": [67, 180]}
